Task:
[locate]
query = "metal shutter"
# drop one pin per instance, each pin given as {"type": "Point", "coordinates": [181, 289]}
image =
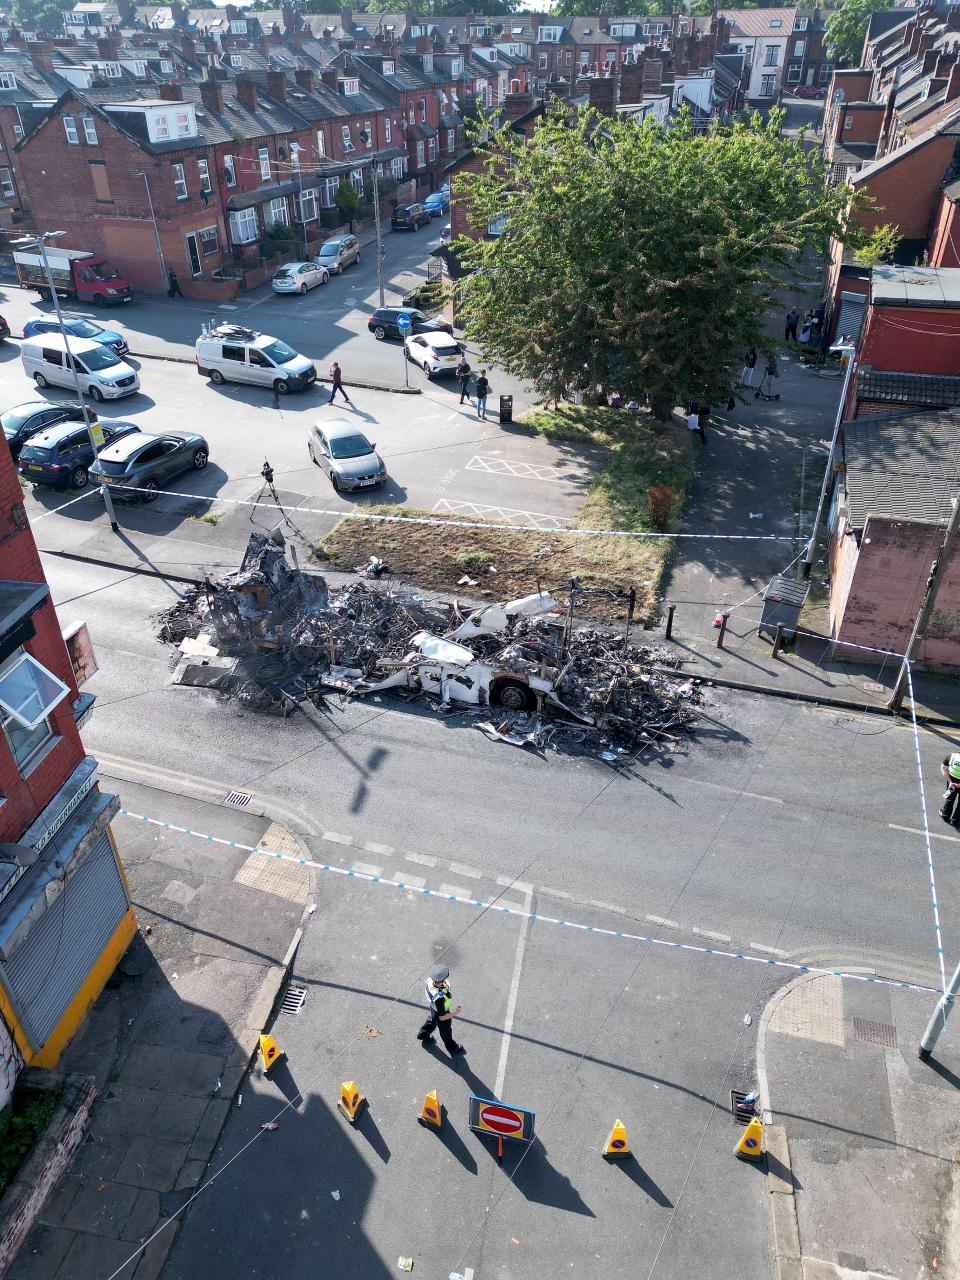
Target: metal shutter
{"type": "Point", "coordinates": [60, 950]}
{"type": "Point", "coordinates": [853, 307]}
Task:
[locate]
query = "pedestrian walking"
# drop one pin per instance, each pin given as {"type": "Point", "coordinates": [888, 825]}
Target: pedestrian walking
{"type": "Point", "coordinates": [703, 421]}
{"type": "Point", "coordinates": [464, 374]}
{"type": "Point", "coordinates": [790, 329]}
{"type": "Point", "coordinates": [173, 286]}
{"type": "Point", "coordinates": [483, 390]}
{"type": "Point", "coordinates": [336, 377]}
{"type": "Point", "coordinates": [749, 364]}
{"type": "Point", "coordinates": [441, 1016]}
{"type": "Point", "coordinates": [950, 769]}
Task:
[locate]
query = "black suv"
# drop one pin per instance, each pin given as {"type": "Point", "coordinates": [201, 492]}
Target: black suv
{"type": "Point", "coordinates": [60, 456]}
{"type": "Point", "coordinates": [25, 420]}
{"type": "Point", "coordinates": [383, 323]}
{"type": "Point", "coordinates": [410, 217]}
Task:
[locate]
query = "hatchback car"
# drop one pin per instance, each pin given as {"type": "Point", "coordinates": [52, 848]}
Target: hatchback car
{"type": "Point", "coordinates": [433, 352]}
{"type": "Point", "coordinates": [60, 456]}
{"type": "Point", "coordinates": [4, 329]}
{"type": "Point", "coordinates": [437, 203]}
{"type": "Point", "coordinates": [410, 217]}
{"type": "Point", "coordinates": [25, 420]}
{"type": "Point", "coordinates": [338, 252]}
{"type": "Point", "coordinates": [346, 455]}
{"type": "Point", "coordinates": [146, 462]}
{"type": "Point", "coordinates": [78, 327]}
{"type": "Point", "coordinates": [383, 323]}
{"type": "Point", "coordinates": [298, 277]}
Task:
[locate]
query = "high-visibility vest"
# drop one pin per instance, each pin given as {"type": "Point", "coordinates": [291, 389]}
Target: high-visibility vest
{"type": "Point", "coordinates": [953, 767]}
{"type": "Point", "coordinates": [433, 992]}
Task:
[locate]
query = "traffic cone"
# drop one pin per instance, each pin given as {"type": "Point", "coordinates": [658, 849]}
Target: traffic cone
{"type": "Point", "coordinates": [431, 1113]}
{"type": "Point", "coordinates": [351, 1101]}
{"type": "Point", "coordinates": [750, 1146]}
{"type": "Point", "coordinates": [617, 1147]}
{"type": "Point", "coordinates": [270, 1053]}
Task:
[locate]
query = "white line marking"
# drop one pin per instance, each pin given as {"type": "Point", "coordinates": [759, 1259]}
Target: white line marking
{"type": "Point", "coordinates": [540, 519]}
{"type": "Point", "coordinates": [337, 839]}
{"type": "Point", "coordinates": [606, 906]}
{"type": "Point", "coordinates": [510, 906]}
{"type": "Point", "coordinates": [708, 933]}
{"type": "Point", "coordinates": [770, 951]}
{"type": "Point", "coordinates": [384, 850]}
{"type": "Point", "coordinates": [423, 859]}
{"type": "Point", "coordinates": [512, 998]}
{"type": "Point", "coordinates": [461, 869]}
{"type": "Point", "coordinates": [554, 893]}
{"type": "Point", "coordinates": [734, 791]}
{"type": "Point", "coordinates": [367, 869]}
{"type": "Point", "coordinates": [916, 831]}
{"type": "Point", "coordinates": [521, 886]}
{"type": "Point", "coordinates": [522, 470]}
{"type": "Point", "coordinates": [454, 891]}
{"type": "Point", "coordinates": [667, 924]}
{"type": "Point", "coordinates": [414, 882]}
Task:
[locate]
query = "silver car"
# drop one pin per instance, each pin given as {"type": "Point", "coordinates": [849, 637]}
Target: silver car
{"type": "Point", "coordinates": [346, 455]}
{"type": "Point", "coordinates": [298, 277]}
{"type": "Point", "coordinates": [338, 252]}
{"type": "Point", "coordinates": [140, 464]}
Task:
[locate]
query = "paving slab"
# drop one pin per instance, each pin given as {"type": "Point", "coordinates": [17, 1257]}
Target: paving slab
{"type": "Point", "coordinates": [43, 1254]}
{"type": "Point", "coordinates": [125, 1108]}
{"type": "Point", "coordinates": [102, 1207]}
{"type": "Point", "coordinates": [92, 1257]}
{"type": "Point", "coordinates": [100, 1154]}
{"type": "Point", "coordinates": [177, 1117]}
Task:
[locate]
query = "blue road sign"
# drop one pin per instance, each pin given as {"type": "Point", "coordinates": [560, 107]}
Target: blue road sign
{"type": "Point", "coordinates": [403, 322]}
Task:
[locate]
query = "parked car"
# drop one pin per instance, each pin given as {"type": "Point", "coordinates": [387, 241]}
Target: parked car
{"type": "Point", "coordinates": [60, 456]}
{"type": "Point", "coordinates": [103, 374]}
{"type": "Point", "coordinates": [24, 420]}
{"type": "Point", "coordinates": [437, 203]}
{"type": "Point", "coordinates": [298, 277]}
{"type": "Point", "coordinates": [446, 234]}
{"type": "Point", "coordinates": [345, 454]}
{"type": "Point", "coordinates": [4, 329]}
{"type": "Point", "coordinates": [383, 323]}
{"type": "Point", "coordinates": [433, 352]}
{"type": "Point", "coordinates": [78, 327]}
{"type": "Point", "coordinates": [338, 252]}
{"type": "Point", "coordinates": [231, 353]}
{"type": "Point", "coordinates": [148, 462]}
{"type": "Point", "coordinates": [410, 217]}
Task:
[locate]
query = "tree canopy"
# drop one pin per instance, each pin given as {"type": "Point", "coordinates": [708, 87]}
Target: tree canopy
{"type": "Point", "coordinates": [633, 257]}
{"type": "Point", "coordinates": [847, 26]}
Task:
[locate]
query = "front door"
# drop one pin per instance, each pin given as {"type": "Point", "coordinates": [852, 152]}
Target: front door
{"type": "Point", "coordinates": [194, 254]}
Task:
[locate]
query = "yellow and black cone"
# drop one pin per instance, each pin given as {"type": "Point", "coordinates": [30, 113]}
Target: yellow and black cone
{"type": "Point", "coordinates": [351, 1101]}
{"type": "Point", "coordinates": [617, 1147]}
{"type": "Point", "coordinates": [750, 1146]}
{"type": "Point", "coordinates": [431, 1113]}
{"type": "Point", "coordinates": [270, 1053]}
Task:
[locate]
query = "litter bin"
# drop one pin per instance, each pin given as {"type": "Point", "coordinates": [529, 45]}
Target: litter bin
{"type": "Point", "coordinates": [782, 601]}
{"type": "Point", "coordinates": [506, 408]}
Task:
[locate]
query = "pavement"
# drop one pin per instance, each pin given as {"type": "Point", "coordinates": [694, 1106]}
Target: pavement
{"type": "Point", "coordinates": [170, 1039]}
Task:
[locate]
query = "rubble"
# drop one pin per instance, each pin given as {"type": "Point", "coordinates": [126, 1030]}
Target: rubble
{"type": "Point", "coordinates": [274, 636]}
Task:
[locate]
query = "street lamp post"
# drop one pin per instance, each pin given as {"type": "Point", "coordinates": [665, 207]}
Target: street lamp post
{"type": "Point", "coordinates": [376, 222]}
{"type": "Point", "coordinates": [156, 231]}
{"type": "Point", "coordinates": [295, 150]}
{"type": "Point", "coordinates": [39, 242]}
{"type": "Point", "coordinates": [849, 350]}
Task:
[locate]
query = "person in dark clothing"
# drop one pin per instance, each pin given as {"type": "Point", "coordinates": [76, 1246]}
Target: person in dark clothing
{"type": "Point", "coordinates": [749, 364]}
{"type": "Point", "coordinates": [464, 374]}
{"type": "Point", "coordinates": [336, 377]}
{"type": "Point", "coordinates": [703, 421]}
{"type": "Point", "coordinates": [483, 390]}
{"type": "Point", "coordinates": [173, 286]}
{"type": "Point", "coordinates": [950, 808]}
{"type": "Point", "coordinates": [441, 1015]}
{"type": "Point", "coordinates": [790, 329]}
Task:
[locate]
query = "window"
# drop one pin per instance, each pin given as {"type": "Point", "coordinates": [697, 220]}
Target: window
{"type": "Point", "coordinates": [549, 35]}
{"type": "Point", "coordinates": [456, 66]}
{"type": "Point", "coordinates": [451, 139]}
{"type": "Point", "coordinates": [180, 182]}
{"type": "Point", "coordinates": [308, 206]}
{"type": "Point", "coordinates": [584, 59]}
{"type": "Point", "coordinates": [183, 125]}
{"type": "Point", "coordinates": [775, 22]}
{"type": "Point", "coordinates": [772, 56]}
{"type": "Point", "coordinates": [263, 155]}
{"type": "Point", "coordinates": [236, 60]}
{"type": "Point", "coordinates": [799, 48]}
{"type": "Point", "coordinates": [18, 130]}
{"type": "Point", "coordinates": [801, 24]}
{"type": "Point", "coordinates": [423, 110]}
{"type": "Point", "coordinates": [203, 168]}
{"type": "Point", "coordinates": [368, 130]}
{"type": "Point", "coordinates": [209, 241]}
{"type": "Point", "coordinates": [70, 129]}
{"type": "Point", "coordinates": [389, 68]}
{"type": "Point", "coordinates": [238, 27]}
{"type": "Point", "coordinates": [767, 86]}
{"type": "Point", "coordinates": [243, 226]}
{"type": "Point", "coordinates": [568, 57]}
{"type": "Point", "coordinates": [350, 87]}
{"type": "Point", "coordinates": [328, 189]}
{"type": "Point", "coordinates": [166, 66]}
{"type": "Point", "coordinates": [163, 129]}
{"type": "Point", "coordinates": [101, 183]}
{"type": "Point", "coordinates": [542, 61]}
{"type": "Point", "coordinates": [848, 122]}
{"type": "Point", "coordinates": [321, 143]}
{"type": "Point", "coordinates": [347, 140]}
{"type": "Point", "coordinates": [411, 115]}
{"type": "Point", "coordinates": [140, 70]}
{"type": "Point", "coordinates": [235, 353]}
{"type": "Point", "coordinates": [794, 73]}
{"type": "Point", "coordinates": [229, 171]}
{"type": "Point", "coordinates": [826, 71]}
{"type": "Point", "coordinates": [28, 693]}
{"type": "Point", "coordinates": [278, 211]}
{"type": "Point", "coordinates": [356, 178]}
{"type": "Point", "coordinates": [6, 184]}
{"type": "Point", "coordinates": [112, 70]}
{"type": "Point", "coordinates": [421, 156]}
{"type": "Point", "coordinates": [90, 130]}
{"type": "Point", "coordinates": [498, 225]}
{"type": "Point", "coordinates": [7, 81]}
{"type": "Point", "coordinates": [432, 148]}
{"type": "Point", "coordinates": [387, 130]}
{"type": "Point", "coordinates": [396, 168]}
{"type": "Point", "coordinates": [558, 57]}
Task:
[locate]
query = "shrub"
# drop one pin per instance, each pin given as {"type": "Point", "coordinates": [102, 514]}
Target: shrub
{"type": "Point", "coordinates": [21, 1123]}
{"type": "Point", "coordinates": [660, 503]}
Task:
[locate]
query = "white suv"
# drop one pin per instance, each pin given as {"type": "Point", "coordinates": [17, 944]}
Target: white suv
{"type": "Point", "coordinates": [230, 353]}
{"type": "Point", "coordinates": [433, 352]}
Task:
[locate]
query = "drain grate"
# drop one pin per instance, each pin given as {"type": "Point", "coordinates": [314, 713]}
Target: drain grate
{"type": "Point", "coordinates": [239, 798]}
{"type": "Point", "coordinates": [882, 1033]}
{"type": "Point", "coordinates": [293, 999]}
{"type": "Point", "coordinates": [743, 1105]}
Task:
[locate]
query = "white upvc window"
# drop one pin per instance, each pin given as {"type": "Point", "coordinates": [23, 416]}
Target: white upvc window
{"type": "Point", "coordinates": [368, 130]}
{"type": "Point", "coordinates": [166, 66]}
{"type": "Point", "coordinates": [321, 143]}
{"type": "Point", "coordinates": [423, 111]}
{"type": "Point", "coordinates": [396, 167]}
{"type": "Point", "coordinates": [263, 155]}
{"type": "Point", "coordinates": [542, 61]}
{"type": "Point", "coordinates": [451, 139]}
{"type": "Point", "coordinates": [389, 68]}
{"type": "Point", "coordinates": [162, 126]}
{"type": "Point", "coordinates": [356, 178]}
{"type": "Point", "coordinates": [328, 190]}
{"type": "Point", "coordinates": [801, 24]}
{"type": "Point", "coordinates": [347, 140]}
{"type": "Point", "coordinates": [209, 241]}
{"type": "Point", "coordinates": [278, 211]}
{"type": "Point", "coordinates": [387, 130]}
{"type": "Point", "coordinates": [7, 80]}
{"type": "Point", "coordinates": [28, 691]}
{"type": "Point", "coordinates": [183, 124]}
{"type": "Point", "coordinates": [772, 56]}
{"type": "Point", "coordinates": [204, 170]}
{"type": "Point", "coordinates": [799, 48]}
{"type": "Point", "coordinates": [229, 171]}
{"type": "Point", "coordinates": [6, 183]}
{"type": "Point", "coordinates": [432, 148]}
{"type": "Point", "coordinates": [236, 60]}
{"type": "Point", "coordinates": [793, 74]}
{"type": "Point", "coordinates": [243, 226]}
{"type": "Point", "coordinates": [140, 70]}
{"type": "Point", "coordinates": [421, 155]}
{"type": "Point", "coordinates": [70, 129]}
{"type": "Point", "coordinates": [90, 130]}
{"type": "Point", "coordinates": [308, 205]}
{"type": "Point", "coordinates": [350, 86]}
{"type": "Point", "coordinates": [180, 182]}
{"type": "Point", "coordinates": [238, 27]}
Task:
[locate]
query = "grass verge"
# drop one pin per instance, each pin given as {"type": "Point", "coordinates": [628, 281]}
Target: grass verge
{"type": "Point", "coordinates": [22, 1122]}
{"type": "Point", "coordinates": [640, 452]}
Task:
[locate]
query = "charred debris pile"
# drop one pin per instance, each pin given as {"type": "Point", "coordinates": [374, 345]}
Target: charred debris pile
{"type": "Point", "coordinates": [273, 636]}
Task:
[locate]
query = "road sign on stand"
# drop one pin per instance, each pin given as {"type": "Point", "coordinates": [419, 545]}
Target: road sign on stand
{"type": "Point", "coordinates": [501, 1120]}
{"type": "Point", "coordinates": [96, 430]}
{"type": "Point", "coordinates": [404, 324]}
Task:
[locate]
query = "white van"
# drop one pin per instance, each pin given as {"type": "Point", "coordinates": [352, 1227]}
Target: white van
{"type": "Point", "coordinates": [230, 353]}
{"type": "Point", "coordinates": [103, 374]}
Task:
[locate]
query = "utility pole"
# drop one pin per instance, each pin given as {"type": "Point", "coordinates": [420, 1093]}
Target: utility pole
{"type": "Point", "coordinates": [376, 222]}
{"type": "Point", "coordinates": [937, 571]}
{"type": "Point", "coordinates": [295, 152]}
{"type": "Point", "coordinates": [938, 1019]}
{"type": "Point", "coordinates": [807, 563]}
{"type": "Point", "coordinates": [156, 231]}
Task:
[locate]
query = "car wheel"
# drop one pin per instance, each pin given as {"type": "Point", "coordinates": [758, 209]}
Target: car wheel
{"type": "Point", "coordinates": [416, 226]}
{"type": "Point", "coordinates": [96, 394]}
{"type": "Point", "coordinates": [427, 370]}
{"type": "Point", "coordinates": [339, 268]}
{"type": "Point", "coordinates": [325, 278]}
{"type": "Point", "coordinates": [513, 695]}
{"type": "Point", "coordinates": [313, 456]}
{"type": "Point", "coordinates": [303, 290]}
{"type": "Point", "coordinates": [217, 378]}
{"type": "Point", "coordinates": [78, 478]}
{"type": "Point", "coordinates": [151, 490]}
{"type": "Point", "coordinates": [200, 459]}
{"type": "Point", "coordinates": [357, 260]}
{"type": "Point", "coordinates": [98, 300]}
{"type": "Point", "coordinates": [335, 482]}
{"type": "Point", "coordinates": [379, 333]}
{"type": "Point", "coordinates": [281, 386]}
{"type": "Point", "coordinates": [40, 380]}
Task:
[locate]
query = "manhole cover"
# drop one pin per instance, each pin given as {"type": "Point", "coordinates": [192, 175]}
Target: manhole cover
{"type": "Point", "coordinates": [882, 1033]}
{"type": "Point", "coordinates": [239, 798]}
{"type": "Point", "coordinates": [293, 999]}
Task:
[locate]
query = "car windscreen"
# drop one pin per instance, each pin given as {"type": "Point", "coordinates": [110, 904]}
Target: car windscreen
{"type": "Point", "coordinates": [111, 468]}
{"type": "Point", "coordinates": [13, 420]}
{"type": "Point", "coordinates": [84, 329]}
{"type": "Point", "coordinates": [449, 349]}
{"type": "Point", "coordinates": [102, 358]}
{"type": "Point", "coordinates": [350, 447]}
{"type": "Point", "coordinates": [33, 453]}
{"type": "Point", "coordinates": [329, 250]}
{"type": "Point", "coordinates": [279, 352]}
{"type": "Point", "coordinates": [103, 271]}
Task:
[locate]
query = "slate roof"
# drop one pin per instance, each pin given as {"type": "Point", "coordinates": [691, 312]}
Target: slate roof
{"type": "Point", "coordinates": [933, 391]}
{"type": "Point", "coordinates": [894, 466]}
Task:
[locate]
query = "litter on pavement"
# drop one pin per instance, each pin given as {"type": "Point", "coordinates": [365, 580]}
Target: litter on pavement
{"type": "Point", "coordinates": [274, 636]}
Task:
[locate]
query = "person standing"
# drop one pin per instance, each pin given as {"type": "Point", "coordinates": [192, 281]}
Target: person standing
{"type": "Point", "coordinates": [950, 769]}
{"type": "Point", "coordinates": [790, 328]}
{"type": "Point", "coordinates": [441, 1016]}
{"type": "Point", "coordinates": [173, 286]}
{"type": "Point", "coordinates": [749, 364]}
{"type": "Point", "coordinates": [336, 377]}
{"type": "Point", "coordinates": [693, 418]}
{"type": "Point", "coordinates": [483, 390]}
{"type": "Point", "coordinates": [703, 421]}
{"type": "Point", "coordinates": [464, 374]}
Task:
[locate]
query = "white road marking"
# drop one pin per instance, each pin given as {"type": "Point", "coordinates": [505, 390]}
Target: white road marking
{"type": "Point", "coordinates": [770, 951]}
{"type": "Point", "coordinates": [520, 470]}
{"type": "Point", "coordinates": [521, 886]}
{"type": "Point", "coordinates": [455, 891]}
{"type": "Point", "coordinates": [505, 515]}
{"type": "Point", "coordinates": [708, 933]}
{"type": "Point", "coordinates": [606, 906]}
{"type": "Point", "coordinates": [512, 998]}
{"type": "Point", "coordinates": [413, 882]}
{"type": "Point", "coordinates": [915, 831]}
{"type": "Point", "coordinates": [461, 869]}
{"type": "Point", "coordinates": [734, 791]}
{"type": "Point", "coordinates": [337, 839]}
{"type": "Point", "coordinates": [554, 893]}
{"type": "Point", "coordinates": [423, 859]}
{"type": "Point", "coordinates": [367, 869]}
{"type": "Point", "coordinates": [667, 924]}
{"type": "Point", "coordinates": [384, 850]}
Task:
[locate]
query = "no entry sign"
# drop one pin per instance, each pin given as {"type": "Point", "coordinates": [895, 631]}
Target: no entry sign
{"type": "Point", "coordinates": [501, 1119]}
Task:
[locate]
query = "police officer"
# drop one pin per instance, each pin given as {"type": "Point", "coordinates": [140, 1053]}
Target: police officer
{"type": "Point", "coordinates": [441, 1015]}
{"type": "Point", "coordinates": [950, 768]}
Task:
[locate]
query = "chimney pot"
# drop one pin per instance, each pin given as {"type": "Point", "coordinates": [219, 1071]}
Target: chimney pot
{"type": "Point", "coordinates": [304, 78]}
{"type": "Point", "coordinates": [277, 85]}
{"type": "Point", "coordinates": [170, 91]}
{"type": "Point", "coordinates": [211, 95]}
{"type": "Point", "coordinates": [247, 91]}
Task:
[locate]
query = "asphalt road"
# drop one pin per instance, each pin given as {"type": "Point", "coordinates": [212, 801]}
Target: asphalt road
{"type": "Point", "coordinates": [780, 831]}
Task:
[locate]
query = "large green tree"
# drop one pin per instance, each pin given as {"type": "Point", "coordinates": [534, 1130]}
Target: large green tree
{"type": "Point", "coordinates": [634, 257]}
{"type": "Point", "coordinates": [847, 26]}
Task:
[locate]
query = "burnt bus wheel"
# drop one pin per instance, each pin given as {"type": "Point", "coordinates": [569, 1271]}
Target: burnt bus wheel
{"type": "Point", "coordinates": [513, 695]}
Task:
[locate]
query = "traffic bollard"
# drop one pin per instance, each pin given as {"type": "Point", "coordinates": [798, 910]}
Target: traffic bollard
{"type": "Point", "coordinates": [671, 609]}
{"type": "Point", "coordinates": [724, 619]}
{"type": "Point", "coordinates": [778, 641]}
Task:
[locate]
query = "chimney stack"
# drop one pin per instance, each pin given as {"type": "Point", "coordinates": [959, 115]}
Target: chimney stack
{"type": "Point", "coordinates": [331, 78]}
{"type": "Point", "coordinates": [603, 95]}
{"type": "Point", "coordinates": [304, 78]}
{"type": "Point", "coordinates": [424, 44]}
{"type": "Point", "coordinates": [517, 104]}
{"type": "Point", "coordinates": [929, 61]}
{"type": "Point", "coordinates": [631, 82]}
{"type": "Point", "coordinates": [277, 85]}
{"type": "Point", "coordinates": [170, 91]}
{"type": "Point", "coordinates": [41, 54]}
{"type": "Point", "coordinates": [247, 91]}
{"type": "Point", "coordinates": [108, 47]}
{"type": "Point", "coordinates": [953, 83]}
{"type": "Point", "coordinates": [211, 95]}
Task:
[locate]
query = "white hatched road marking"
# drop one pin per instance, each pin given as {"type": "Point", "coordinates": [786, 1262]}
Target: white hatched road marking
{"type": "Point", "coordinates": [367, 869]}
{"type": "Point", "coordinates": [384, 850]}
{"type": "Point", "coordinates": [760, 946]}
{"type": "Point", "coordinates": [554, 893]}
{"type": "Point", "coordinates": [461, 869]}
{"type": "Point", "coordinates": [507, 882]}
{"type": "Point", "coordinates": [606, 906]}
{"type": "Point", "coordinates": [454, 891]}
{"type": "Point", "coordinates": [520, 470]}
{"type": "Point", "coordinates": [414, 882]}
{"type": "Point", "coordinates": [337, 839]}
{"type": "Point", "coordinates": [506, 515]}
{"type": "Point", "coordinates": [708, 933]}
{"type": "Point", "coordinates": [666, 924]}
{"type": "Point", "coordinates": [423, 859]}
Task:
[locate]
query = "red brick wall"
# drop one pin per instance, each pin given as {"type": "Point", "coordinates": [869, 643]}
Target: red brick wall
{"type": "Point", "coordinates": [859, 122]}
{"type": "Point", "coordinates": [907, 191]}
{"type": "Point", "coordinates": [913, 339]}
{"type": "Point", "coordinates": [945, 236]}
